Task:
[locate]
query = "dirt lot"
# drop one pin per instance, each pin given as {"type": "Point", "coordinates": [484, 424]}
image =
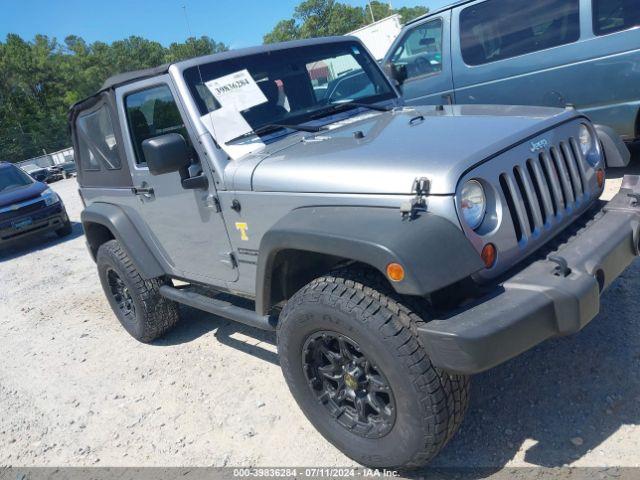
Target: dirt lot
{"type": "Point", "coordinates": [76, 390]}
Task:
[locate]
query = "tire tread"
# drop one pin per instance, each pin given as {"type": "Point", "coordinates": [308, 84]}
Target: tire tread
{"type": "Point", "coordinates": [444, 397]}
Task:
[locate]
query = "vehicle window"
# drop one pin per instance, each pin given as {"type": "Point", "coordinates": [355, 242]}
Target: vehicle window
{"type": "Point", "coordinates": [151, 113]}
{"type": "Point", "coordinates": [420, 52]}
{"type": "Point", "coordinates": [339, 78]}
{"type": "Point", "coordinates": [499, 29]}
{"type": "Point", "coordinates": [297, 83]}
{"type": "Point", "coordinates": [12, 178]}
{"type": "Point", "coordinates": [97, 140]}
{"type": "Point", "coordinates": [611, 16]}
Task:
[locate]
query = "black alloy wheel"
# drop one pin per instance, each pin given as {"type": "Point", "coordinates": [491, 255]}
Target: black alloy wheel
{"type": "Point", "coordinates": [348, 384]}
{"type": "Point", "coordinates": [121, 295]}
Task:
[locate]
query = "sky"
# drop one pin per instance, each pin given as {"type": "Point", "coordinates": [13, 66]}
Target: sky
{"type": "Point", "coordinates": [238, 23]}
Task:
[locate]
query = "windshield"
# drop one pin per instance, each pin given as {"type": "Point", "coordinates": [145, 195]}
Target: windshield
{"type": "Point", "coordinates": [12, 177]}
{"type": "Point", "coordinates": [295, 85]}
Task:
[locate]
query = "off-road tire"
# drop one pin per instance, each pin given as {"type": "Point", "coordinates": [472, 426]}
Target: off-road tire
{"type": "Point", "coordinates": [153, 314]}
{"type": "Point", "coordinates": [65, 230]}
{"type": "Point", "coordinates": [359, 304]}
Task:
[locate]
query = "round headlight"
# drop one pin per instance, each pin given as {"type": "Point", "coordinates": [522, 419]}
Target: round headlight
{"type": "Point", "coordinates": [473, 203]}
{"type": "Point", "coordinates": [586, 140]}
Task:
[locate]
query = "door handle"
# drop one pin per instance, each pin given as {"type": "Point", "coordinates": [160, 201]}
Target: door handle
{"type": "Point", "coordinates": [143, 191]}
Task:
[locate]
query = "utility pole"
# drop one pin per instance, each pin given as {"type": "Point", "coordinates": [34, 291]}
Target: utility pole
{"type": "Point", "coordinates": [373, 19]}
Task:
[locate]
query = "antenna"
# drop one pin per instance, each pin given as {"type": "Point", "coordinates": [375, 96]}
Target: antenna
{"type": "Point", "coordinates": [195, 54]}
{"type": "Point", "coordinates": [186, 20]}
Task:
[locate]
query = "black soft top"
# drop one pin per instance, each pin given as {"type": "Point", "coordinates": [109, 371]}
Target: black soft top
{"type": "Point", "coordinates": [128, 77]}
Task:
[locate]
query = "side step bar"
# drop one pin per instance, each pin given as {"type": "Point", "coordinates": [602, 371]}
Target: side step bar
{"type": "Point", "coordinates": [218, 307]}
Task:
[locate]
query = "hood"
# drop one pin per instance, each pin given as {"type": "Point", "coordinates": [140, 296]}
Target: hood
{"type": "Point", "coordinates": [21, 194]}
{"type": "Point", "coordinates": [383, 153]}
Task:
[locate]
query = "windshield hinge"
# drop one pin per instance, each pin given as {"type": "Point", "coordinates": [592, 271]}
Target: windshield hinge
{"type": "Point", "coordinates": [418, 203]}
{"type": "Point", "coordinates": [212, 202]}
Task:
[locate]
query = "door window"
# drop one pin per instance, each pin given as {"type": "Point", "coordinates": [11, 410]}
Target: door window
{"type": "Point", "coordinates": [151, 113]}
{"type": "Point", "coordinates": [420, 51]}
{"type": "Point", "coordinates": [499, 29]}
{"type": "Point", "coordinates": [611, 16]}
{"type": "Point", "coordinates": [97, 140]}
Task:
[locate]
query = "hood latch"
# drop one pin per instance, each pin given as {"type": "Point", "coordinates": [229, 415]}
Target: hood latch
{"type": "Point", "coordinates": [418, 203]}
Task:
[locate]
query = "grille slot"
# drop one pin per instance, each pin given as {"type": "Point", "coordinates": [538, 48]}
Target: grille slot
{"type": "Point", "coordinates": [540, 191]}
{"type": "Point", "coordinates": [544, 211]}
{"type": "Point", "coordinates": [572, 162]}
{"type": "Point", "coordinates": [504, 183]}
{"type": "Point", "coordinates": [563, 173]}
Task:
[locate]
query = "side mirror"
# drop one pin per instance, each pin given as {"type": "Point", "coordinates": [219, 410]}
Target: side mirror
{"type": "Point", "coordinates": [166, 153]}
{"type": "Point", "coordinates": [398, 73]}
{"type": "Point", "coordinates": [388, 69]}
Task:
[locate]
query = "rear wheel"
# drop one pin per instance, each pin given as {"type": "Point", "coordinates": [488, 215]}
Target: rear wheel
{"type": "Point", "coordinates": [137, 302]}
{"type": "Point", "coordinates": [351, 356]}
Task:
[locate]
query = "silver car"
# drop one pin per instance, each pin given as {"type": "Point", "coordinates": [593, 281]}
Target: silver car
{"type": "Point", "coordinates": [394, 250]}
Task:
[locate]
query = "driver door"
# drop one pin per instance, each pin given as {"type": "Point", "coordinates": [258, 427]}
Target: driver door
{"type": "Point", "coordinates": [185, 225]}
{"type": "Point", "coordinates": [422, 62]}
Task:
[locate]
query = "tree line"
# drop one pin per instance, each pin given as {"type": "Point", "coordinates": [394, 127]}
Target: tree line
{"type": "Point", "coordinates": [41, 78]}
{"type": "Point", "coordinates": [321, 18]}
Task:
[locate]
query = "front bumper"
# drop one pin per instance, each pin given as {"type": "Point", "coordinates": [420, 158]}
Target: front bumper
{"type": "Point", "coordinates": [555, 296]}
{"type": "Point", "coordinates": [43, 220]}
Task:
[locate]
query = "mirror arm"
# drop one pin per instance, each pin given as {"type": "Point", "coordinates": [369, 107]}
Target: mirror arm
{"type": "Point", "coordinates": [199, 182]}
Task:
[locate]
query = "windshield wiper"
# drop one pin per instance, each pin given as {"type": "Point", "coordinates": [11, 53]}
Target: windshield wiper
{"type": "Point", "coordinates": [338, 107]}
{"type": "Point", "coordinates": [273, 127]}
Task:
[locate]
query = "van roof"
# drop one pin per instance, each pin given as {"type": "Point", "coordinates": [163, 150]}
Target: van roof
{"type": "Point", "coordinates": [437, 11]}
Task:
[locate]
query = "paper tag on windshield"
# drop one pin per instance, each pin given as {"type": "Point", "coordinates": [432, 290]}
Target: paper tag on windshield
{"type": "Point", "coordinates": [224, 124]}
{"type": "Point", "coordinates": [237, 91]}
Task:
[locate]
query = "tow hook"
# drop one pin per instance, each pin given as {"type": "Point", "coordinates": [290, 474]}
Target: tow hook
{"type": "Point", "coordinates": [636, 199]}
{"type": "Point", "coordinates": [418, 203]}
{"type": "Point", "coordinates": [562, 269]}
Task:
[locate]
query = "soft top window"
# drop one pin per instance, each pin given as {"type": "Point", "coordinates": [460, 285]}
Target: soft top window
{"type": "Point", "coordinates": [97, 140]}
{"type": "Point", "coordinates": [499, 29]}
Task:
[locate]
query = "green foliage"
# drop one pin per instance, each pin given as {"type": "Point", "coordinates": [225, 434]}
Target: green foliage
{"type": "Point", "coordinates": [42, 78]}
{"type": "Point", "coordinates": [409, 13]}
{"type": "Point", "coordinates": [320, 18]}
{"type": "Point", "coordinates": [284, 31]}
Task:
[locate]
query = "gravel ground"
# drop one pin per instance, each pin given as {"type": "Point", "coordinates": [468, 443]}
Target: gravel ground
{"type": "Point", "coordinates": [76, 390]}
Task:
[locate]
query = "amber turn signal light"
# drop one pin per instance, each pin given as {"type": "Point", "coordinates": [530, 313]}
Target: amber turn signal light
{"type": "Point", "coordinates": [395, 272]}
{"type": "Point", "coordinates": [489, 254]}
{"type": "Point", "coordinates": [600, 176]}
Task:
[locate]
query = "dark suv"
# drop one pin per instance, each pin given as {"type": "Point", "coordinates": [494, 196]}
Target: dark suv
{"type": "Point", "coordinates": [28, 207]}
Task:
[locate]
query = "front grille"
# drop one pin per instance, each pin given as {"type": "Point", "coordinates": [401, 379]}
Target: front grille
{"type": "Point", "coordinates": [33, 207]}
{"type": "Point", "coordinates": [542, 190]}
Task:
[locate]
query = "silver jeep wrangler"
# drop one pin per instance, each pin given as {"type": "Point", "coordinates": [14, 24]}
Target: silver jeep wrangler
{"type": "Point", "coordinates": [394, 250]}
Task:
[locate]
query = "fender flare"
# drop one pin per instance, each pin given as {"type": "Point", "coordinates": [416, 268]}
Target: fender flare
{"type": "Point", "coordinates": [433, 251]}
{"type": "Point", "coordinates": [123, 230]}
{"type": "Point", "coordinates": [616, 153]}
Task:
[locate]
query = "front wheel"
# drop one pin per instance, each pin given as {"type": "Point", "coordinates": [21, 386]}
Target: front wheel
{"type": "Point", "coordinates": [352, 359]}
